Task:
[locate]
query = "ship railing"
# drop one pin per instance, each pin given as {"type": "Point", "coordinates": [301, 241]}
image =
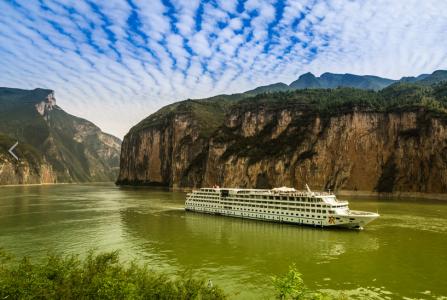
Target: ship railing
{"type": "Point", "coordinates": [323, 193]}
{"type": "Point", "coordinates": [361, 213]}
{"type": "Point", "coordinates": [304, 194]}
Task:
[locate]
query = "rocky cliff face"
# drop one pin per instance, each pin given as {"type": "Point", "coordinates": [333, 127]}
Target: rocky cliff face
{"type": "Point", "coordinates": [54, 146]}
{"type": "Point", "coordinates": [24, 172]}
{"type": "Point", "coordinates": [266, 145]}
{"type": "Point", "coordinates": [164, 155]}
{"type": "Point", "coordinates": [356, 151]}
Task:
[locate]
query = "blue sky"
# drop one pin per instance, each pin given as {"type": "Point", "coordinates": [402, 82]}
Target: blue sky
{"type": "Point", "coordinates": [115, 62]}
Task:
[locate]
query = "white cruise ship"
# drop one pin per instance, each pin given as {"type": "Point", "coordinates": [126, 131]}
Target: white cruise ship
{"type": "Point", "coordinates": [285, 205]}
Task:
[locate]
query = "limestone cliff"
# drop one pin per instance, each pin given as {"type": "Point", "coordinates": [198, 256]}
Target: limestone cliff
{"type": "Point", "coordinates": [25, 172]}
{"type": "Point", "coordinates": [397, 151]}
{"type": "Point", "coordinates": [54, 146]}
{"type": "Point", "coordinates": [387, 141]}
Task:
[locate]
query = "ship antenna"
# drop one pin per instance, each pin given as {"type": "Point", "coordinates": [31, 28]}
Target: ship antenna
{"type": "Point", "coordinates": [308, 188]}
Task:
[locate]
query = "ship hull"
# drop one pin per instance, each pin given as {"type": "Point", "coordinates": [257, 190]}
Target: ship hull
{"type": "Point", "coordinates": [345, 221]}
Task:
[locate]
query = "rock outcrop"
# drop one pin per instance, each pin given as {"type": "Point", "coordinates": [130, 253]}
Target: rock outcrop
{"type": "Point", "coordinates": [54, 146]}
{"type": "Point", "coordinates": [291, 139]}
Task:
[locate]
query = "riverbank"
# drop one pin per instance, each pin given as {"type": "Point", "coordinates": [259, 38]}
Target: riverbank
{"type": "Point", "coordinates": [57, 183]}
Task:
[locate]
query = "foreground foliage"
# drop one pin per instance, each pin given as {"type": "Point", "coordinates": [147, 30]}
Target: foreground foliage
{"type": "Point", "coordinates": [98, 276]}
{"type": "Point", "coordinates": [291, 286]}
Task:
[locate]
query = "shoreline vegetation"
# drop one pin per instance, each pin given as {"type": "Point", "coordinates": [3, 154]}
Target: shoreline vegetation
{"type": "Point", "coordinates": [56, 183]}
{"type": "Point", "coordinates": [104, 276]}
{"type": "Point", "coordinates": [98, 276]}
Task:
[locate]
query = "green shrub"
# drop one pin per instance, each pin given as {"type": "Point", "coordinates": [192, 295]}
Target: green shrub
{"type": "Point", "coordinates": [98, 276]}
{"type": "Point", "coordinates": [291, 286]}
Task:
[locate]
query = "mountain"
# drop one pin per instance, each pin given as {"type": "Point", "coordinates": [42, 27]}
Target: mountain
{"type": "Point", "coordinates": [53, 146]}
{"type": "Point", "coordinates": [271, 88]}
{"type": "Point", "coordinates": [435, 77]}
{"type": "Point", "coordinates": [390, 140]}
{"type": "Point", "coordinates": [412, 79]}
{"type": "Point", "coordinates": [306, 81]}
{"type": "Point", "coordinates": [330, 80]}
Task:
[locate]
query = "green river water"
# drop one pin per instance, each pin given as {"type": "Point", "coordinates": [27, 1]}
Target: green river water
{"type": "Point", "coordinates": [402, 254]}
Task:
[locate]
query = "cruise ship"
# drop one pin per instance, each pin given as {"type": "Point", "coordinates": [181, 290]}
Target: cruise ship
{"type": "Point", "coordinates": [285, 205]}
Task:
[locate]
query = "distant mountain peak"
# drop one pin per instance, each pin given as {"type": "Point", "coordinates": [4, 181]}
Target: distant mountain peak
{"type": "Point", "coordinates": [307, 75]}
{"type": "Point", "coordinates": [333, 80]}
{"type": "Point", "coordinates": [439, 72]}
{"type": "Point", "coordinates": [330, 80]}
{"type": "Point", "coordinates": [307, 80]}
{"type": "Point", "coordinates": [275, 87]}
{"type": "Point", "coordinates": [46, 105]}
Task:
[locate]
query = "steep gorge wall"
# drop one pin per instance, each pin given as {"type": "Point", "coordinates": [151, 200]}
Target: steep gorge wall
{"type": "Point", "coordinates": [262, 147]}
{"type": "Point", "coordinates": [24, 172]}
{"type": "Point", "coordinates": [162, 155]}
{"type": "Point", "coordinates": [53, 146]}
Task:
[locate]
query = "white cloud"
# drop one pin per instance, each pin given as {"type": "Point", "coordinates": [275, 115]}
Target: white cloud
{"type": "Point", "coordinates": [114, 63]}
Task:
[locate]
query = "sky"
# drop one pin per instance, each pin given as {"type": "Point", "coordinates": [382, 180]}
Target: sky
{"type": "Point", "coordinates": [114, 62]}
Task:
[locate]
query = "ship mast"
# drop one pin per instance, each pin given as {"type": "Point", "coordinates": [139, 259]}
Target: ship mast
{"type": "Point", "coordinates": [308, 188]}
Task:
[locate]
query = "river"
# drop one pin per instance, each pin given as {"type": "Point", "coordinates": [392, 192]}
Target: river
{"type": "Point", "coordinates": [401, 254]}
